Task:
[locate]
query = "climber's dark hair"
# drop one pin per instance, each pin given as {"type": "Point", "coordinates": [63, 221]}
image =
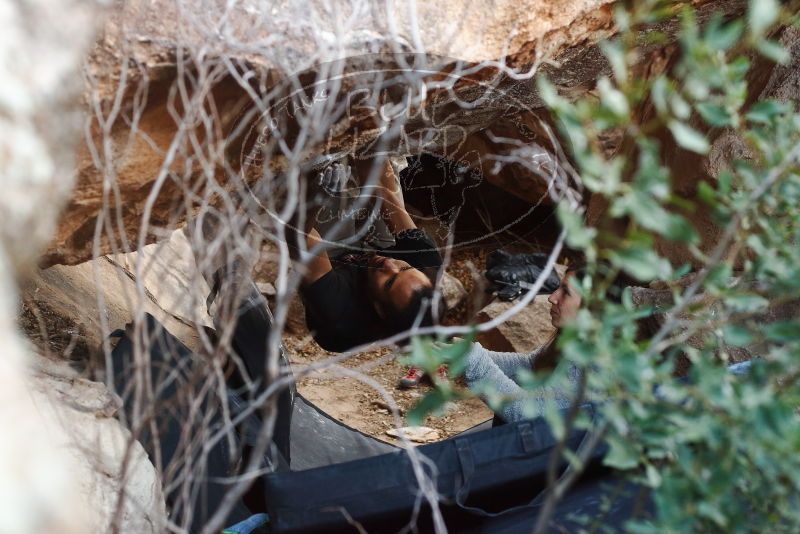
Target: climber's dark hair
{"type": "Point", "coordinates": [401, 319]}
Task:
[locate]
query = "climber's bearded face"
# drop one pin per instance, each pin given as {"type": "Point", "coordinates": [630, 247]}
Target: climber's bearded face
{"type": "Point", "coordinates": [564, 302]}
{"type": "Point", "coordinates": [392, 282]}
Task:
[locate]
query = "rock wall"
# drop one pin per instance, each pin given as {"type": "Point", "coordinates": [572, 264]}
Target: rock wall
{"type": "Point", "coordinates": [166, 98]}
{"type": "Point", "coordinates": [159, 90]}
{"type": "Point", "coordinates": [765, 81]}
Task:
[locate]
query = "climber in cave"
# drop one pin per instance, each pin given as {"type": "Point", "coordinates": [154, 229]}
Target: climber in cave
{"type": "Point", "coordinates": [377, 275]}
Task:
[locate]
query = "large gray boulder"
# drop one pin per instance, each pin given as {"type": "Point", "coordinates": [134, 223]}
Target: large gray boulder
{"type": "Point", "coordinates": [114, 480]}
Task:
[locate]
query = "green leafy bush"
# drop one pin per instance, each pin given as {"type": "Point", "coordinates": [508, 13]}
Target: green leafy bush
{"type": "Point", "coordinates": [719, 452]}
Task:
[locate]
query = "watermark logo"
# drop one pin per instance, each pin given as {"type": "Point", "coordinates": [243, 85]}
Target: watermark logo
{"type": "Point", "coordinates": [425, 140]}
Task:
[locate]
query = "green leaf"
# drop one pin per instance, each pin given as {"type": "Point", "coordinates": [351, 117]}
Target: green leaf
{"type": "Point", "coordinates": [721, 36]}
{"type": "Point", "coordinates": [555, 420]}
{"type": "Point", "coordinates": [641, 263]}
{"type": "Point", "coordinates": [621, 454]}
{"type": "Point", "coordinates": [456, 355]}
{"type": "Point", "coordinates": [739, 67]}
{"type": "Point", "coordinates": [712, 511]}
{"type": "Point", "coordinates": [548, 92]}
{"type": "Point", "coordinates": [574, 460]}
{"type": "Point", "coordinates": [783, 331]}
{"type": "Point", "coordinates": [680, 108]}
{"type": "Point", "coordinates": [724, 181]}
{"type": "Point", "coordinates": [654, 217]}
{"type": "Point", "coordinates": [718, 276]}
{"type": "Point", "coordinates": [689, 138]}
{"type": "Point", "coordinates": [765, 111]}
{"type": "Point", "coordinates": [736, 336]}
{"type": "Point", "coordinates": [613, 99]}
{"type": "Point", "coordinates": [578, 235]}
{"type": "Point", "coordinates": [682, 271]}
{"type": "Point", "coordinates": [678, 229]}
{"type": "Point", "coordinates": [651, 177]}
{"type": "Point", "coordinates": [659, 92]}
{"type": "Point", "coordinates": [714, 114]}
{"type": "Point", "coordinates": [653, 476]}
{"type": "Point", "coordinates": [579, 351]}
{"type": "Point", "coordinates": [430, 403]}
{"type": "Point", "coordinates": [706, 193]}
{"type": "Point", "coordinates": [746, 303]}
{"type": "Point", "coordinates": [422, 354]}
{"type": "Point", "coordinates": [615, 54]}
{"type": "Point", "coordinates": [761, 15]}
{"type": "Point", "coordinates": [773, 51]}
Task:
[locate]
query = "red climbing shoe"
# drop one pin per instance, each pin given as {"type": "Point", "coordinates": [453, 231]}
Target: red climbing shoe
{"type": "Point", "coordinates": [412, 378]}
{"type": "Point", "coordinates": [441, 373]}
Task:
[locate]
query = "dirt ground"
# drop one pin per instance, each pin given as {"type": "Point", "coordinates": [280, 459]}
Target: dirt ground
{"type": "Point", "coordinates": [362, 405]}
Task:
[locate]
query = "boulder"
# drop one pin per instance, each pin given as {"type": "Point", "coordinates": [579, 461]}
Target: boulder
{"type": "Point", "coordinates": [102, 459]}
{"type": "Point", "coordinates": [766, 80]}
{"type": "Point", "coordinates": [69, 311]}
{"type": "Point", "coordinates": [453, 292]}
{"type": "Point", "coordinates": [170, 277]}
{"type": "Point", "coordinates": [703, 303]}
{"type": "Point", "coordinates": [156, 172]}
{"type": "Point", "coordinates": [526, 330]}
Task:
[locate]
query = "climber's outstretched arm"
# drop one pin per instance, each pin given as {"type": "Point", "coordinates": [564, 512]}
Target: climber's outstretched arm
{"type": "Point", "coordinates": [389, 192]}
{"type": "Point", "coordinates": [331, 185]}
{"type": "Point", "coordinates": [318, 265]}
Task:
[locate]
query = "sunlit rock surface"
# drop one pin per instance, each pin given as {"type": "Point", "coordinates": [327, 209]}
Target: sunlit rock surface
{"type": "Point", "coordinates": [139, 149]}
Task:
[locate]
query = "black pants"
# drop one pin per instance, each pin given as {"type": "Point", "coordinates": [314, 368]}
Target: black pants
{"type": "Point", "coordinates": [179, 412]}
